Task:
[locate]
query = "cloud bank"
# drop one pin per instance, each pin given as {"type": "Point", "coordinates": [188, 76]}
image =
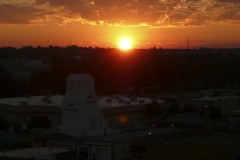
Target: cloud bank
{"type": "Point", "coordinates": [152, 13]}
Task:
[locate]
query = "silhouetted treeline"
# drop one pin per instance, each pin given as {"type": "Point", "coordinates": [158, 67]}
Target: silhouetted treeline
{"type": "Point", "coordinates": [115, 70]}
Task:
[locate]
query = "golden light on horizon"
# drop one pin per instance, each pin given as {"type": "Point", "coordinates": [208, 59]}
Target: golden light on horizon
{"type": "Point", "coordinates": [125, 44]}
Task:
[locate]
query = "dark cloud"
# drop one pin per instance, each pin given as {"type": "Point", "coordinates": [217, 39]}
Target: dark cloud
{"type": "Point", "coordinates": [193, 0]}
{"type": "Point", "coordinates": [59, 2]}
{"type": "Point", "coordinates": [41, 1]}
{"type": "Point", "coordinates": [223, 13]}
{"type": "Point", "coordinates": [230, 15]}
{"type": "Point", "coordinates": [228, 1]}
{"type": "Point", "coordinates": [18, 14]}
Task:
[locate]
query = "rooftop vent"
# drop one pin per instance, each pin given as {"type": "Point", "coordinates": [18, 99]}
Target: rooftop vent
{"type": "Point", "coordinates": [28, 96]}
{"type": "Point", "coordinates": [117, 98]}
{"type": "Point", "coordinates": [24, 103]}
{"type": "Point", "coordinates": [142, 101]}
{"type": "Point", "coordinates": [44, 99]}
{"type": "Point", "coordinates": [112, 96]}
{"type": "Point", "coordinates": [108, 100]}
{"type": "Point", "coordinates": [49, 101]}
{"type": "Point", "coordinates": [48, 95]}
{"type": "Point", "coordinates": [127, 102]}
{"type": "Point", "coordinates": [134, 99]}
{"type": "Point", "coordinates": [121, 100]}
{"type": "Point", "coordinates": [154, 100]}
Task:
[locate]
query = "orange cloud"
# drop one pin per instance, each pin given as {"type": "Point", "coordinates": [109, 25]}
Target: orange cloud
{"type": "Point", "coordinates": [151, 13]}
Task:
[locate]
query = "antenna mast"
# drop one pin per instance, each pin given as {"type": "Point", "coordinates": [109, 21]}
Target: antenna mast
{"type": "Point", "coordinates": [187, 42]}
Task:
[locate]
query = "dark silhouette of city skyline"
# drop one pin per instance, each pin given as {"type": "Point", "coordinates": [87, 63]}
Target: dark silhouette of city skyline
{"type": "Point", "coordinates": [117, 70]}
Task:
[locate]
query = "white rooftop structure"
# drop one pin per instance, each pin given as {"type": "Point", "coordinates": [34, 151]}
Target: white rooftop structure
{"type": "Point", "coordinates": [80, 111]}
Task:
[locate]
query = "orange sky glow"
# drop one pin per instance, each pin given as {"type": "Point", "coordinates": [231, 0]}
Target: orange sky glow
{"type": "Point", "coordinates": [103, 23]}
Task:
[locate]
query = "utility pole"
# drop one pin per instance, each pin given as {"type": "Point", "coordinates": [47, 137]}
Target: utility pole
{"type": "Point", "coordinates": [187, 42]}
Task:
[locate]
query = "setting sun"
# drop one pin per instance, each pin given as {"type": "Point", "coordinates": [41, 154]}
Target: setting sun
{"type": "Point", "coordinates": [125, 44]}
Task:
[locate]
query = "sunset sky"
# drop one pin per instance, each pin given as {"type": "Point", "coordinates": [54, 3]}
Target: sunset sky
{"type": "Point", "coordinates": [103, 23]}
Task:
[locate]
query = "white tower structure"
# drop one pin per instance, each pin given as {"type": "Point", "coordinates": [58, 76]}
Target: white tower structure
{"type": "Point", "coordinates": [80, 110]}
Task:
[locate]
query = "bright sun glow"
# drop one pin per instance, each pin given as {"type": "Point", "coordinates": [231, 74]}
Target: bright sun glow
{"type": "Point", "coordinates": [125, 44]}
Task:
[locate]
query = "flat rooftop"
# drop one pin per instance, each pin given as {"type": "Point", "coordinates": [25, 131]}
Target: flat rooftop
{"type": "Point", "coordinates": [207, 98]}
{"type": "Point", "coordinates": [32, 152]}
{"type": "Point", "coordinates": [120, 100]}
{"type": "Point", "coordinates": [56, 100]}
{"type": "Point", "coordinates": [133, 135]}
{"type": "Point", "coordinates": [214, 138]}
